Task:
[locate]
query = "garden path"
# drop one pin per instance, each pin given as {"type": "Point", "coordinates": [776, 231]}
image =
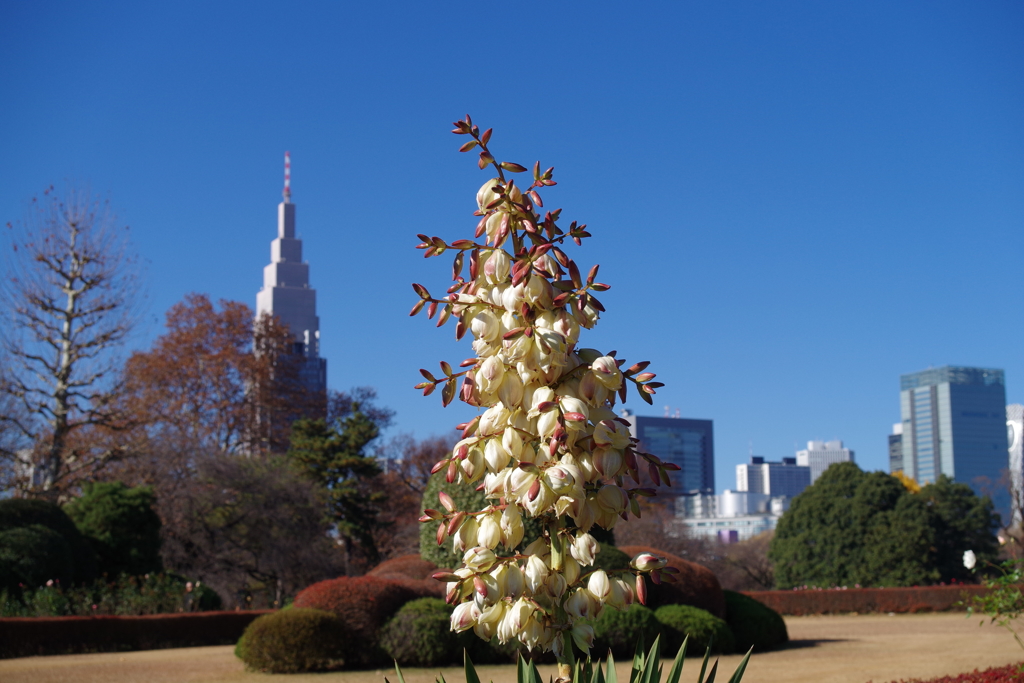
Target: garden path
{"type": "Point", "coordinates": [824, 649]}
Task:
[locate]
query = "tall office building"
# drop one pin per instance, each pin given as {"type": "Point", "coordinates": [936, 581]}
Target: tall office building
{"type": "Point", "coordinates": [954, 423]}
{"type": "Point", "coordinates": [687, 443]}
{"type": "Point", "coordinates": [1015, 437]}
{"type": "Point", "coordinates": [784, 478]}
{"type": "Point", "coordinates": [286, 292]}
{"type": "Point", "coordinates": [820, 454]}
{"type": "Point", "coordinates": [896, 448]}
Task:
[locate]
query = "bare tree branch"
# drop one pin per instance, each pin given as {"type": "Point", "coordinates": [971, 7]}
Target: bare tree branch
{"type": "Point", "coordinates": [67, 305]}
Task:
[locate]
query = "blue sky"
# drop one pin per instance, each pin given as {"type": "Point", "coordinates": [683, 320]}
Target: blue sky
{"type": "Point", "coordinates": [794, 202]}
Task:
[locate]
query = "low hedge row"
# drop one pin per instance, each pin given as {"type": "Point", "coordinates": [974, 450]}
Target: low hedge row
{"type": "Point", "coordinates": [867, 600]}
{"type": "Point", "coordinates": [27, 636]}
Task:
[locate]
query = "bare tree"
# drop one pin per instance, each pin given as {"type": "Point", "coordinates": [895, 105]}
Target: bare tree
{"type": "Point", "coordinates": [68, 304]}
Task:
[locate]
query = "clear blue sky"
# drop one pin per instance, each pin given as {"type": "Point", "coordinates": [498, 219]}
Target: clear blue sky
{"type": "Point", "coordinates": [794, 202]}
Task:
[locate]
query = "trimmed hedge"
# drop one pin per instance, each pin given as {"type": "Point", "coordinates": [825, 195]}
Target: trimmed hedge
{"type": "Point", "coordinates": [754, 624]}
{"type": "Point", "coordinates": [364, 604]}
{"type": "Point", "coordinates": [704, 628]}
{"type": "Point", "coordinates": [27, 636]}
{"type": "Point", "coordinates": [866, 600]}
{"type": "Point", "coordinates": [619, 630]}
{"type": "Point", "coordinates": [295, 640]}
{"type": "Point", "coordinates": [420, 634]}
{"type": "Point", "coordinates": [26, 512]}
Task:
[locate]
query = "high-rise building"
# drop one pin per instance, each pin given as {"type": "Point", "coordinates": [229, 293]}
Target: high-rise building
{"type": "Point", "coordinates": [784, 478]}
{"type": "Point", "coordinates": [954, 423]}
{"type": "Point", "coordinates": [896, 448]}
{"type": "Point", "coordinates": [286, 292]}
{"type": "Point", "coordinates": [687, 443]}
{"type": "Point", "coordinates": [820, 454]}
{"type": "Point", "coordinates": [1015, 437]}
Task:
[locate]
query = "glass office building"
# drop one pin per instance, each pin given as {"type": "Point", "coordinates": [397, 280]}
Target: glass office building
{"type": "Point", "coordinates": [954, 423]}
{"type": "Point", "coordinates": [687, 443]}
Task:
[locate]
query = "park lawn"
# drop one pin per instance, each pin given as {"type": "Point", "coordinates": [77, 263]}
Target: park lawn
{"type": "Point", "coordinates": [823, 649]}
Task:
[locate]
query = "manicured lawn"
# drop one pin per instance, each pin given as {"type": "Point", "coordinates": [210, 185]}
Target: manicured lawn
{"type": "Point", "coordinates": [839, 649]}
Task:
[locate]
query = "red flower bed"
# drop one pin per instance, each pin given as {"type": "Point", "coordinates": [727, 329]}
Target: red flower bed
{"type": "Point", "coordinates": [1002, 674]}
{"type": "Point", "coordinates": [865, 600]}
{"type": "Point", "coordinates": [26, 636]}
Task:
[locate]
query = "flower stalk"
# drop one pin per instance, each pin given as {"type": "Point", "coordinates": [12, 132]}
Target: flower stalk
{"type": "Point", "coordinates": [547, 444]}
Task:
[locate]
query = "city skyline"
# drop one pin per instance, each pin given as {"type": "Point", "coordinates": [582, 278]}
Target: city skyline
{"type": "Point", "coordinates": [794, 205]}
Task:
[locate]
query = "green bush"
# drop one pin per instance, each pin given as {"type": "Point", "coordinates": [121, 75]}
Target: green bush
{"type": "Point", "coordinates": [293, 641]}
{"type": "Point", "coordinates": [703, 628]}
{"type": "Point", "coordinates": [23, 512]}
{"type": "Point", "coordinates": [619, 630]}
{"type": "Point", "coordinates": [753, 623]}
{"type": "Point", "coordinates": [420, 634]}
{"type": "Point", "coordinates": [32, 555]}
{"type": "Point", "coordinates": [121, 525]}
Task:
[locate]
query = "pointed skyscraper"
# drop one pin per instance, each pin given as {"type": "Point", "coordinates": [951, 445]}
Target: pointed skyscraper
{"type": "Point", "coordinates": [286, 292]}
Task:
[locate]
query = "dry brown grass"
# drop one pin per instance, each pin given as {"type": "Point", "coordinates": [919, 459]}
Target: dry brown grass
{"type": "Point", "coordinates": [824, 649]}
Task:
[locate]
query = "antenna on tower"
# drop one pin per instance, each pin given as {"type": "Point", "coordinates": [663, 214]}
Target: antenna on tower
{"type": "Point", "coordinates": [287, 178]}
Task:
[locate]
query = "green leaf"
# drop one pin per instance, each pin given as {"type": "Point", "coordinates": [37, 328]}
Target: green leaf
{"type": "Point", "coordinates": [714, 671]}
{"type": "Point", "coordinates": [652, 662]}
{"type": "Point", "coordinates": [471, 676]}
{"type": "Point", "coordinates": [611, 676]}
{"type": "Point", "coordinates": [638, 660]}
{"type": "Point", "coordinates": [521, 670]}
{"type": "Point", "coordinates": [742, 667]}
{"type": "Point", "coordinates": [677, 665]}
{"type": "Point", "coordinates": [533, 675]}
{"type": "Point", "coordinates": [704, 666]}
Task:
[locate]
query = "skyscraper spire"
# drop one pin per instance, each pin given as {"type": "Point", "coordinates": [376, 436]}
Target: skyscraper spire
{"type": "Point", "coordinates": [287, 194]}
{"type": "Point", "coordinates": [286, 292]}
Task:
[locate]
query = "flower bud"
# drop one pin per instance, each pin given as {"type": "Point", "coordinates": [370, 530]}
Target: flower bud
{"type": "Point", "coordinates": [607, 461]}
{"type": "Point", "coordinates": [570, 570]}
{"type": "Point", "coordinates": [465, 616]}
{"type": "Point", "coordinates": [473, 467]}
{"type": "Point", "coordinates": [466, 535]}
{"type": "Point", "coordinates": [613, 434]}
{"type": "Point", "coordinates": [581, 604]}
{"type": "Point", "coordinates": [486, 194]}
{"type": "Point", "coordinates": [487, 623]}
{"type": "Point", "coordinates": [512, 442]}
{"type": "Point", "coordinates": [612, 499]}
{"type": "Point", "coordinates": [489, 377]}
{"type": "Point", "coordinates": [511, 390]}
{"type": "Point", "coordinates": [591, 390]}
{"type": "Point", "coordinates": [599, 586]}
{"type": "Point", "coordinates": [607, 372]}
{"type": "Point", "coordinates": [497, 266]}
{"type": "Point", "coordinates": [478, 559]}
{"type": "Point", "coordinates": [646, 562]}
{"type": "Point", "coordinates": [489, 534]}
{"type": "Point", "coordinates": [583, 636]}
{"type": "Point", "coordinates": [512, 529]}
{"type": "Point", "coordinates": [495, 456]}
{"type": "Point", "coordinates": [584, 547]}
{"type": "Point", "coordinates": [556, 584]}
{"type": "Point", "coordinates": [485, 326]}
{"type": "Point", "coordinates": [536, 574]}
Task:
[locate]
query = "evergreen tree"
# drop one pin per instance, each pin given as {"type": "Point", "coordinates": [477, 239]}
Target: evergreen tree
{"type": "Point", "coordinates": [854, 527]}
{"type": "Point", "coordinates": [121, 525]}
{"type": "Point", "coordinates": [334, 456]}
{"type": "Point", "coordinates": [962, 521]}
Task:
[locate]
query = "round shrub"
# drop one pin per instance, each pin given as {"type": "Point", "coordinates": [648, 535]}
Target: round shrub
{"type": "Point", "coordinates": [695, 585]}
{"type": "Point", "coordinates": [364, 604]}
{"type": "Point", "coordinates": [23, 512]}
{"type": "Point", "coordinates": [420, 634]}
{"type": "Point", "coordinates": [32, 555]}
{"type": "Point", "coordinates": [293, 641]}
{"type": "Point", "coordinates": [409, 566]}
{"type": "Point", "coordinates": [703, 628]}
{"type": "Point", "coordinates": [753, 623]}
{"type": "Point", "coordinates": [619, 630]}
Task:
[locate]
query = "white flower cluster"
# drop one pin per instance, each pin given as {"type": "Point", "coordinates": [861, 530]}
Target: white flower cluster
{"type": "Point", "coordinates": [548, 444]}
